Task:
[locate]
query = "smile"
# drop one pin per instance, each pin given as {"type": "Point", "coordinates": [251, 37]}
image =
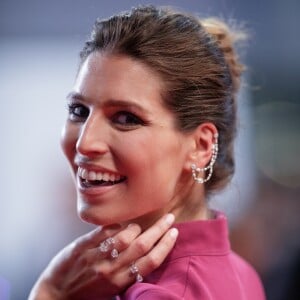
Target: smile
{"type": "Point", "coordinates": [95, 178]}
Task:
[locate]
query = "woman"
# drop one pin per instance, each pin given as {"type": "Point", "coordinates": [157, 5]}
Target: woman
{"type": "Point", "coordinates": [149, 136]}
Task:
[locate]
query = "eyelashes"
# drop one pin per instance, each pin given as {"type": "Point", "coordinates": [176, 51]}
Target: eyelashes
{"type": "Point", "coordinates": [77, 112]}
{"type": "Point", "coordinates": [122, 120]}
{"type": "Point", "coordinates": [125, 119]}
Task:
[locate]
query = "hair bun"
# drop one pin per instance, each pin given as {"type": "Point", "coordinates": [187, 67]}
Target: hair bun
{"type": "Point", "coordinates": [226, 39]}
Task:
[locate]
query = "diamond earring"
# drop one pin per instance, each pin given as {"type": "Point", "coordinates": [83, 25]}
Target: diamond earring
{"type": "Point", "coordinates": [196, 172]}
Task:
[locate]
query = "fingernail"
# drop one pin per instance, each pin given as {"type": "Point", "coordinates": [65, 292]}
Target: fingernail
{"type": "Point", "coordinates": [174, 233]}
{"type": "Point", "coordinates": [131, 224]}
{"type": "Point", "coordinates": [170, 219]}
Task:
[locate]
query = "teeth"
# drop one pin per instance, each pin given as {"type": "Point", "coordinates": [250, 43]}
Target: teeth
{"type": "Point", "coordinates": [80, 172]}
{"type": "Point", "coordinates": [84, 174]}
{"type": "Point", "coordinates": [99, 176]}
{"type": "Point", "coordinates": [92, 175]}
{"type": "Point", "coordinates": [105, 177]}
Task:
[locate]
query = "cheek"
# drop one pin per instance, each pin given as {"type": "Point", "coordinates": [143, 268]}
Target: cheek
{"type": "Point", "coordinates": [68, 141]}
{"type": "Point", "coordinates": [156, 161]}
{"type": "Point", "coordinates": [168, 161]}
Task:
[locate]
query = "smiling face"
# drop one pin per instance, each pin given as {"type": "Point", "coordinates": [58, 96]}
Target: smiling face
{"type": "Point", "coordinates": [129, 160]}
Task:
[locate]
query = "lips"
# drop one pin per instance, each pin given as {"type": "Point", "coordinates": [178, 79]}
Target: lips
{"type": "Point", "coordinates": [91, 178]}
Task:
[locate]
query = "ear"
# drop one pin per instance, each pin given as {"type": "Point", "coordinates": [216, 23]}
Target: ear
{"type": "Point", "coordinates": [203, 138]}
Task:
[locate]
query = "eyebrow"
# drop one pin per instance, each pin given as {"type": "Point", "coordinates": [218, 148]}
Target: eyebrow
{"type": "Point", "coordinates": [74, 95]}
{"type": "Point", "coordinates": [111, 102]}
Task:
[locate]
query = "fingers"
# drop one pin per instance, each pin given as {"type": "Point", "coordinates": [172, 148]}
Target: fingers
{"type": "Point", "coordinates": [111, 242]}
{"type": "Point", "coordinates": [139, 253]}
{"type": "Point", "coordinates": [83, 266]}
{"type": "Point", "coordinates": [146, 264]}
{"type": "Point", "coordinates": [146, 252]}
{"type": "Point", "coordinates": [101, 246]}
{"type": "Point", "coordinates": [93, 238]}
{"type": "Point", "coordinates": [125, 237]}
{"type": "Point", "coordinates": [142, 244]}
{"type": "Point", "coordinates": [112, 245]}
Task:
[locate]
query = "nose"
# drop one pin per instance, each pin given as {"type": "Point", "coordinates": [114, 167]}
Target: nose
{"type": "Point", "coordinates": [91, 140]}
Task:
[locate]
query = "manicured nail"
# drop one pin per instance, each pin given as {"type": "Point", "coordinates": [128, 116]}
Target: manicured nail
{"type": "Point", "coordinates": [174, 233]}
{"type": "Point", "coordinates": [170, 219]}
{"type": "Point", "coordinates": [131, 224]}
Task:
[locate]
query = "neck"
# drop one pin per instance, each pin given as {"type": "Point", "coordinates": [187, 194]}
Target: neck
{"type": "Point", "coordinates": [191, 207]}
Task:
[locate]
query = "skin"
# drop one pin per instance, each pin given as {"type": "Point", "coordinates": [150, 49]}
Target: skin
{"type": "Point", "coordinates": [118, 123]}
{"type": "Point", "coordinates": [81, 271]}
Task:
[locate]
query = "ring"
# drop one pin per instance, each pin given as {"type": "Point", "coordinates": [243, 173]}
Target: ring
{"type": "Point", "coordinates": [134, 270]}
{"type": "Point", "coordinates": [107, 244]}
{"type": "Point", "coordinates": [114, 253]}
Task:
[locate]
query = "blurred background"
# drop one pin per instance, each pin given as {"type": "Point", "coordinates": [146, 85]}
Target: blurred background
{"type": "Point", "coordinates": [39, 46]}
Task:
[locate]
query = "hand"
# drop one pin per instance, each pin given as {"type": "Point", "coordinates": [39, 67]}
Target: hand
{"type": "Point", "coordinates": [85, 269]}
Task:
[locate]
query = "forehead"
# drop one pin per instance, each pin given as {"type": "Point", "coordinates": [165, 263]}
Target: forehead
{"type": "Point", "coordinates": [104, 79]}
{"type": "Point", "coordinates": [117, 74]}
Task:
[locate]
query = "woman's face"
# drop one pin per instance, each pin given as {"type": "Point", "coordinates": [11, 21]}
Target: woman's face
{"type": "Point", "coordinates": [128, 160]}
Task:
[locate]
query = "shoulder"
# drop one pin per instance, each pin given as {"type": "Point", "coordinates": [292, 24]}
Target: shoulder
{"type": "Point", "coordinates": [243, 268]}
{"type": "Point", "coordinates": [248, 277]}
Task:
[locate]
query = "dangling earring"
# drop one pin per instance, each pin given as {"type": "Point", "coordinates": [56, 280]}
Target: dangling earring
{"type": "Point", "coordinates": [196, 172]}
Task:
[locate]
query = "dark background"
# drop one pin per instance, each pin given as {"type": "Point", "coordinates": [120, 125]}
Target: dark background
{"type": "Point", "coordinates": [39, 45]}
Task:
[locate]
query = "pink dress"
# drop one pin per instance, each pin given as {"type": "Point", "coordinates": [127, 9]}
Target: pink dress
{"type": "Point", "coordinates": [200, 267]}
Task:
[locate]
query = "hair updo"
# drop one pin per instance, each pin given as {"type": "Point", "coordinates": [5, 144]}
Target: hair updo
{"type": "Point", "coordinates": [197, 62]}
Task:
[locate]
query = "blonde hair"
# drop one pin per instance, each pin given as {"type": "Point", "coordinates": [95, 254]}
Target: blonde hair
{"type": "Point", "coordinates": [196, 61]}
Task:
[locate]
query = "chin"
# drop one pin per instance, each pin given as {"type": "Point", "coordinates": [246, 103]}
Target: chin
{"type": "Point", "coordinates": [87, 214]}
{"type": "Point", "coordinates": [90, 216]}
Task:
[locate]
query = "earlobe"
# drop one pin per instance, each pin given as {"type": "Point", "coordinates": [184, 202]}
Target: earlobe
{"type": "Point", "coordinates": [202, 158]}
{"type": "Point", "coordinates": [197, 172]}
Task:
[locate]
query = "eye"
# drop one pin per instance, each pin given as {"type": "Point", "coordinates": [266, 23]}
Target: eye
{"type": "Point", "coordinates": [77, 112]}
{"type": "Point", "coordinates": [126, 120]}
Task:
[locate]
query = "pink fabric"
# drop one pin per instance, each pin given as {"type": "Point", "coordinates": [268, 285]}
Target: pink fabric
{"type": "Point", "coordinates": [200, 267]}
